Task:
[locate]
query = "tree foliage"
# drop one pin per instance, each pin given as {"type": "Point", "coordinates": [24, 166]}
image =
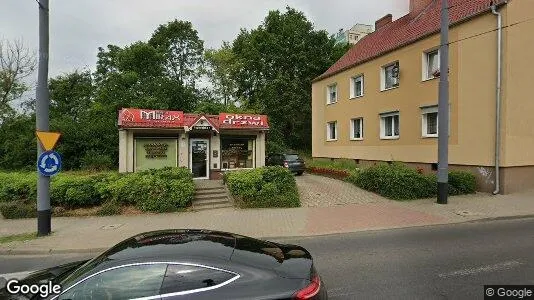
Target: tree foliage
{"type": "Point", "coordinates": [265, 70]}
{"type": "Point", "coordinates": [275, 64]}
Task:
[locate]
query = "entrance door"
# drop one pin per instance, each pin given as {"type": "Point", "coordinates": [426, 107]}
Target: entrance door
{"type": "Point", "coordinates": [199, 162]}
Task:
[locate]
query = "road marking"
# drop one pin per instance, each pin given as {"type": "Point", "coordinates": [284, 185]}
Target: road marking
{"type": "Point", "coordinates": [489, 268]}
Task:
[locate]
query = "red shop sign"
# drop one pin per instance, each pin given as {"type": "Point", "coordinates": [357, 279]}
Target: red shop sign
{"type": "Point", "coordinates": [227, 120]}
{"type": "Point", "coordinates": [134, 117]}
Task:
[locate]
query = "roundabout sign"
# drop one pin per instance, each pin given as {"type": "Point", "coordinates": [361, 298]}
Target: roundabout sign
{"type": "Point", "coordinates": [49, 163]}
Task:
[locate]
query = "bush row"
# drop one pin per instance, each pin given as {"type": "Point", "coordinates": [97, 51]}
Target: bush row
{"type": "Point", "coordinates": [263, 187]}
{"type": "Point", "coordinates": [162, 190]}
{"type": "Point", "coordinates": [334, 173]}
{"type": "Point", "coordinates": [400, 182]}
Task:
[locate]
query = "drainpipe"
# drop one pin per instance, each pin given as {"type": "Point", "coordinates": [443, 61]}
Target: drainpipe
{"type": "Point", "coordinates": [498, 100]}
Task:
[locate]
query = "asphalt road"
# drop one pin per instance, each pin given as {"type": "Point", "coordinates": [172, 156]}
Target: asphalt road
{"type": "Point", "coordinates": [438, 262]}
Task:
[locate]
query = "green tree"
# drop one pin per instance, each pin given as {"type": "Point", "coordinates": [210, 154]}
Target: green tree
{"type": "Point", "coordinates": [182, 49]}
{"type": "Point", "coordinates": [274, 66]}
{"type": "Point", "coordinates": [219, 69]}
{"type": "Point", "coordinates": [18, 145]}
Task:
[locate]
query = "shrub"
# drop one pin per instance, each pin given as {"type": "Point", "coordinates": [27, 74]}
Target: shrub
{"type": "Point", "coordinates": [462, 182]}
{"type": "Point", "coordinates": [334, 173]}
{"type": "Point", "coordinates": [163, 190]}
{"type": "Point", "coordinates": [18, 186]}
{"type": "Point", "coordinates": [264, 187]}
{"type": "Point", "coordinates": [109, 208]}
{"type": "Point", "coordinates": [396, 181]}
{"type": "Point", "coordinates": [399, 182]}
{"type": "Point", "coordinates": [18, 210]}
{"type": "Point", "coordinates": [337, 164]}
{"type": "Point", "coordinates": [71, 190]}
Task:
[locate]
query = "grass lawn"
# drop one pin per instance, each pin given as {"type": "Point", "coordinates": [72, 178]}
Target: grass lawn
{"type": "Point", "coordinates": [18, 237]}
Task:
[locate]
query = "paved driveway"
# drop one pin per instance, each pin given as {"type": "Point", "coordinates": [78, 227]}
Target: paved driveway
{"type": "Point", "coordinates": [320, 191]}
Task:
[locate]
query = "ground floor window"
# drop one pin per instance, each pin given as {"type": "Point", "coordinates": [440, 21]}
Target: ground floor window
{"type": "Point", "coordinates": [155, 153]}
{"type": "Point", "coordinates": [389, 126]}
{"type": "Point", "coordinates": [237, 152]}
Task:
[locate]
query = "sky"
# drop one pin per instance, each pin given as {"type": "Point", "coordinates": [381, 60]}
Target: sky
{"type": "Point", "coordinates": [78, 28]}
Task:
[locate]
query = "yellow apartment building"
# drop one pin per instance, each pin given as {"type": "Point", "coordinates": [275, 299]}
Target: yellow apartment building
{"type": "Point", "coordinates": [379, 101]}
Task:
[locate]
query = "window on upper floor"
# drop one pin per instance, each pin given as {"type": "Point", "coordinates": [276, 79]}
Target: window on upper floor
{"type": "Point", "coordinates": [356, 129]}
{"type": "Point", "coordinates": [430, 64]}
{"type": "Point", "coordinates": [389, 126]}
{"type": "Point", "coordinates": [331, 131]}
{"type": "Point", "coordinates": [390, 76]}
{"type": "Point", "coordinates": [331, 94]}
{"type": "Point", "coordinates": [429, 121]}
{"type": "Point", "coordinates": [356, 86]}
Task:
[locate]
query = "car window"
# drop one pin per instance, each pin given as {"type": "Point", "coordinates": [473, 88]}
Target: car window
{"type": "Point", "coordinates": [181, 278]}
{"type": "Point", "coordinates": [291, 157]}
{"type": "Point", "coordinates": [121, 283]}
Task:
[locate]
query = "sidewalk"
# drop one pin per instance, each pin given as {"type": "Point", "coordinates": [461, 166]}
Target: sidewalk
{"type": "Point", "coordinates": [93, 234]}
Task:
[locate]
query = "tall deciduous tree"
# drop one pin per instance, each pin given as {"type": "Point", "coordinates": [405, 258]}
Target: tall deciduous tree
{"type": "Point", "coordinates": [183, 51]}
{"type": "Point", "coordinates": [16, 63]}
{"type": "Point", "coordinates": [274, 66]}
{"type": "Point", "coordinates": [219, 69]}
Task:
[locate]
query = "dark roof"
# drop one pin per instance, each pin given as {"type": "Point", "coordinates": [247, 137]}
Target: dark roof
{"type": "Point", "coordinates": [406, 30]}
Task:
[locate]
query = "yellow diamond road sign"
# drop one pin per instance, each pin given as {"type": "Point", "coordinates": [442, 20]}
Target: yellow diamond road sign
{"type": "Point", "coordinates": [48, 139]}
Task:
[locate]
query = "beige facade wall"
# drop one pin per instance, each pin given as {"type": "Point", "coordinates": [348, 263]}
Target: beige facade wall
{"type": "Point", "coordinates": [472, 103]}
{"type": "Point", "coordinates": [518, 121]}
{"type": "Point", "coordinates": [183, 150]}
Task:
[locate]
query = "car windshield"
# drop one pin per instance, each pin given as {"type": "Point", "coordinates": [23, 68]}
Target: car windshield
{"type": "Point", "coordinates": [291, 157]}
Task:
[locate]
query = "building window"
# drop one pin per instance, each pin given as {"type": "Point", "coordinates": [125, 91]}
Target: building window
{"type": "Point", "coordinates": [430, 121]}
{"type": "Point", "coordinates": [430, 64]}
{"type": "Point", "coordinates": [356, 129]}
{"type": "Point", "coordinates": [331, 131]}
{"type": "Point", "coordinates": [390, 76]}
{"type": "Point", "coordinates": [356, 87]}
{"type": "Point", "coordinates": [331, 94]}
{"type": "Point", "coordinates": [155, 153]}
{"type": "Point", "coordinates": [389, 126]}
{"type": "Point", "coordinates": [237, 152]}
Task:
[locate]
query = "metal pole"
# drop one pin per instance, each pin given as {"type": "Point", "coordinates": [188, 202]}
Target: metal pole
{"type": "Point", "coordinates": [443, 107]}
{"type": "Point", "coordinates": [44, 215]}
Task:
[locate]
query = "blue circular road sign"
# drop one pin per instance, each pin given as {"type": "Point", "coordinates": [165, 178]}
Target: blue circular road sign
{"type": "Point", "coordinates": [49, 163]}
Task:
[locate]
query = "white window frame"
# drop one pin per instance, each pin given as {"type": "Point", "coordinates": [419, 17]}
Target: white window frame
{"type": "Point", "coordinates": [426, 64]}
{"type": "Point", "coordinates": [424, 122]}
{"type": "Point", "coordinates": [353, 86]}
{"type": "Point", "coordinates": [328, 99]}
{"type": "Point", "coordinates": [328, 137]}
{"type": "Point", "coordinates": [383, 126]}
{"type": "Point", "coordinates": [383, 77]}
{"type": "Point", "coordinates": [352, 123]}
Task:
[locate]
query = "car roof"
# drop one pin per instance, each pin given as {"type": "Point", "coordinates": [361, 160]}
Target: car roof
{"type": "Point", "coordinates": [204, 247]}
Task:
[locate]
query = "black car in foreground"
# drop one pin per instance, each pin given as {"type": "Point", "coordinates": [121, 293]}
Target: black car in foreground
{"type": "Point", "coordinates": [291, 161]}
{"type": "Point", "coordinates": [186, 264]}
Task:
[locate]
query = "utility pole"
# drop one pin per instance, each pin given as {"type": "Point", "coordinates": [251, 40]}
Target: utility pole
{"type": "Point", "coordinates": [44, 214]}
{"type": "Point", "coordinates": [443, 107]}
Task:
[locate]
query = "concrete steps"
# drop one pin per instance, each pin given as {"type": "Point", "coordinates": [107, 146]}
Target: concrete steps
{"type": "Point", "coordinates": [210, 195]}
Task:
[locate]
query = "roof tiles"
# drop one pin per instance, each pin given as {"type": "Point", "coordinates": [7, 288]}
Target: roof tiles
{"type": "Point", "coordinates": [406, 30]}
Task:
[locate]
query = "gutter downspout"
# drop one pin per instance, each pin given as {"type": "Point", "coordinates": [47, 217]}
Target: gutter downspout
{"type": "Point", "coordinates": [498, 101]}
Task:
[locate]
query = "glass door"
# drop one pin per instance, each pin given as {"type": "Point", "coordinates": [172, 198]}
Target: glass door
{"type": "Point", "coordinates": [199, 162]}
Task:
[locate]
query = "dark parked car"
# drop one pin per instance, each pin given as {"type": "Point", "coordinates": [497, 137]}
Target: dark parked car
{"type": "Point", "coordinates": [291, 161]}
{"type": "Point", "coordinates": [189, 264]}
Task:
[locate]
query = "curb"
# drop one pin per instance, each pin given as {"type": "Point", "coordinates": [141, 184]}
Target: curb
{"type": "Point", "coordinates": [279, 238]}
{"type": "Point", "coordinates": [52, 251]}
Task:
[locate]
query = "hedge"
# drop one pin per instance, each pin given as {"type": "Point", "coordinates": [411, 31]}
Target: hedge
{"type": "Point", "coordinates": [334, 173]}
{"type": "Point", "coordinates": [263, 187]}
{"type": "Point", "coordinates": [163, 190]}
{"type": "Point", "coordinates": [399, 182]}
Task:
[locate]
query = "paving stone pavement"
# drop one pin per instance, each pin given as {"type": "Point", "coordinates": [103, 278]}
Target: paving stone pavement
{"type": "Point", "coordinates": [320, 191]}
